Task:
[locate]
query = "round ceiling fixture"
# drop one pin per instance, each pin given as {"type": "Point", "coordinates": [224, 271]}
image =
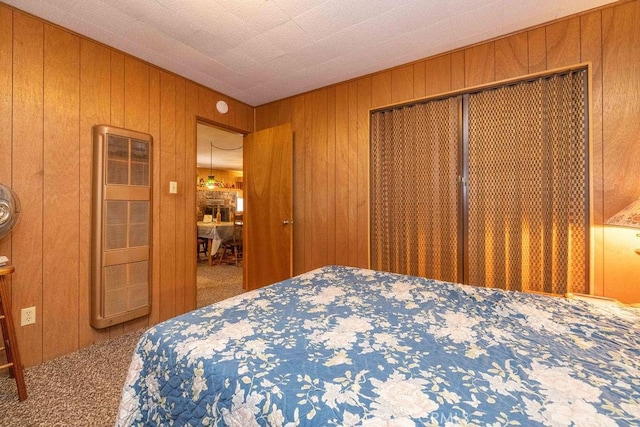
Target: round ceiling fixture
{"type": "Point", "coordinates": [222, 107]}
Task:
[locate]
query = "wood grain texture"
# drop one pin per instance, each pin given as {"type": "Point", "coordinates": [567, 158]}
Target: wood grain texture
{"type": "Point", "coordinates": [342, 173]}
{"type": "Point", "coordinates": [438, 75]}
{"type": "Point", "coordinates": [183, 179]}
{"type": "Point", "coordinates": [136, 89]}
{"type": "Point", "coordinates": [49, 107]}
{"type": "Point", "coordinates": [316, 144]}
{"type": "Point", "coordinates": [136, 117]}
{"type": "Point", "coordinates": [362, 195]}
{"type": "Point", "coordinates": [154, 130]}
{"type": "Point", "coordinates": [352, 141]}
{"type": "Point", "coordinates": [191, 105]}
{"type": "Point", "coordinates": [621, 109]}
{"type": "Point", "coordinates": [268, 164]}
{"type": "Point", "coordinates": [563, 43]}
{"type": "Point", "coordinates": [118, 99]}
{"type": "Point", "coordinates": [168, 205]}
{"type": "Point", "coordinates": [479, 64]}
{"type": "Point", "coordinates": [381, 92]}
{"type": "Point", "coordinates": [419, 79]}
{"type": "Point", "coordinates": [117, 89]}
{"type": "Point", "coordinates": [6, 99]}
{"type": "Point", "coordinates": [61, 192]}
{"type": "Point", "coordinates": [331, 178]}
{"type": "Point", "coordinates": [511, 56]}
{"type": "Point", "coordinates": [537, 41]}
{"type": "Point", "coordinates": [591, 51]}
{"type": "Point", "coordinates": [95, 101]}
{"type": "Point", "coordinates": [299, 237]}
{"type": "Point", "coordinates": [402, 83]}
{"type": "Point", "coordinates": [617, 115]}
{"type": "Point", "coordinates": [457, 70]}
{"type": "Point", "coordinates": [27, 179]}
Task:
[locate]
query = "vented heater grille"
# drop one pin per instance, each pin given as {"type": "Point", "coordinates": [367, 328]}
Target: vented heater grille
{"type": "Point", "coordinates": [121, 246]}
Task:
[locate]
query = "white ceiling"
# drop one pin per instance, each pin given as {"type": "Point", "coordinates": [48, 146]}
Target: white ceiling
{"type": "Point", "coordinates": [259, 51]}
{"type": "Point", "coordinates": [219, 149]}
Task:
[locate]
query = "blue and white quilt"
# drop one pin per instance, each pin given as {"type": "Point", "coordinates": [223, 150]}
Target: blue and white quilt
{"type": "Point", "coordinates": [347, 346]}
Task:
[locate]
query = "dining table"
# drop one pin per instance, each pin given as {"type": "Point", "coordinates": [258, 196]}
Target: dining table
{"type": "Point", "coordinates": [216, 233]}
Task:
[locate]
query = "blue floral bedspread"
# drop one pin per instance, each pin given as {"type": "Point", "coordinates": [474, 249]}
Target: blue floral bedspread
{"type": "Point", "coordinates": [347, 346]}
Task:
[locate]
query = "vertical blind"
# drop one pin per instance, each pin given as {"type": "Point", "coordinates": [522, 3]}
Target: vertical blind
{"type": "Point", "coordinates": [488, 188]}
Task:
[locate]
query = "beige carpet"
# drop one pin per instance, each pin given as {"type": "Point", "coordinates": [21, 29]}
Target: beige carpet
{"type": "Point", "coordinates": [83, 388]}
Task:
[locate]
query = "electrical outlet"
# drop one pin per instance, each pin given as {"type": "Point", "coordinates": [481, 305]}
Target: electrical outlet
{"type": "Point", "coordinates": [27, 316]}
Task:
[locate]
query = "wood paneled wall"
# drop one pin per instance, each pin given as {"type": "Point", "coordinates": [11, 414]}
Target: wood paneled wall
{"type": "Point", "coordinates": [54, 86]}
{"type": "Point", "coordinates": [331, 136]}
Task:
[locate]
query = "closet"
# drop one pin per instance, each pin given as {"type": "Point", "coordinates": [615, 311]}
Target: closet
{"type": "Point", "coordinates": [488, 187]}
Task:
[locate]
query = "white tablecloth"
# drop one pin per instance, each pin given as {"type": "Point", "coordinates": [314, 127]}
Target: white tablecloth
{"type": "Point", "coordinates": [216, 233]}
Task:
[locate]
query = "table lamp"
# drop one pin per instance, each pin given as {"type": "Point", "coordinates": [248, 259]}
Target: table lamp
{"type": "Point", "coordinates": [627, 217]}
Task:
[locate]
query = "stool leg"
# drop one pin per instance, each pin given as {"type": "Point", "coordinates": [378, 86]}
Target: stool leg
{"type": "Point", "coordinates": [10, 340]}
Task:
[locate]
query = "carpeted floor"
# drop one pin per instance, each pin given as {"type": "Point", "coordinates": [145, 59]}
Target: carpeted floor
{"type": "Point", "coordinates": [83, 388]}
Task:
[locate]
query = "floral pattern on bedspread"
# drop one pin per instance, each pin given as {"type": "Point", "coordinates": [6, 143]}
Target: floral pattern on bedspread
{"type": "Point", "coordinates": [347, 346]}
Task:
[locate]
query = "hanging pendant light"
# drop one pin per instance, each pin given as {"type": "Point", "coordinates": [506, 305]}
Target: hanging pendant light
{"type": "Point", "coordinates": [211, 182]}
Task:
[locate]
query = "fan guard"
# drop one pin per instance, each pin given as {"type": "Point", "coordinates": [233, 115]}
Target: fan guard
{"type": "Point", "coordinates": [9, 210]}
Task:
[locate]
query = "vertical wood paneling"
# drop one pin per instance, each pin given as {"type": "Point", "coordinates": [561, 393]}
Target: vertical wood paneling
{"type": "Point", "coordinates": [191, 108]}
{"type": "Point", "coordinates": [511, 59]}
{"type": "Point", "coordinates": [95, 101]}
{"type": "Point", "coordinates": [352, 240]}
{"type": "Point", "coordinates": [457, 70]}
{"type": "Point", "coordinates": [621, 127]}
{"type": "Point", "coordinates": [154, 130]}
{"type": "Point", "coordinates": [621, 86]}
{"type": "Point", "coordinates": [206, 103]}
{"type": "Point", "coordinates": [364, 104]}
{"type": "Point", "coordinates": [537, 49]}
{"type": "Point", "coordinates": [316, 193]}
{"type": "Point", "coordinates": [117, 89]}
{"type": "Point", "coordinates": [563, 43]}
{"type": "Point", "coordinates": [61, 192]}
{"type": "Point", "coordinates": [50, 97]}
{"type": "Point", "coordinates": [342, 173]}
{"type": "Point", "coordinates": [381, 89]}
{"type": "Point", "coordinates": [438, 75]}
{"type": "Point", "coordinates": [167, 206]}
{"type": "Point", "coordinates": [27, 171]}
{"type": "Point", "coordinates": [136, 117]}
{"type": "Point", "coordinates": [181, 199]}
{"type": "Point", "coordinates": [591, 50]}
{"type": "Point", "coordinates": [117, 119]}
{"type": "Point", "coordinates": [419, 79]}
{"type": "Point", "coordinates": [299, 240]}
{"type": "Point", "coordinates": [6, 97]}
{"type": "Point", "coordinates": [331, 177]}
{"type": "Point", "coordinates": [136, 89]}
{"type": "Point", "coordinates": [479, 64]}
{"type": "Point", "coordinates": [402, 83]}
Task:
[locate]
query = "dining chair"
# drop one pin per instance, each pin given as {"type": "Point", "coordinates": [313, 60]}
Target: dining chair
{"type": "Point", "coordinates": [232, 248]}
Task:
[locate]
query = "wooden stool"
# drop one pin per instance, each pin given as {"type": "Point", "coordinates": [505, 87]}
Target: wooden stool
{"type": "Point", "coordinates": [9, 335]}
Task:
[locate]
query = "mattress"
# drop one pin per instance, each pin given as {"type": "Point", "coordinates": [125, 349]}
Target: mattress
{"type": "Point", "coordinates": [348, 346]}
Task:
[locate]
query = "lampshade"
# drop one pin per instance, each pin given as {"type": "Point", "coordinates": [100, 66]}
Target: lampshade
{"type": "Point", "coordinates": [627, 217]}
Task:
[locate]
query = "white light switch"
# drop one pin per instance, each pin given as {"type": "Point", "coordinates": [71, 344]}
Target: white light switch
{"type": "Point", "coordinates": [173, 187]}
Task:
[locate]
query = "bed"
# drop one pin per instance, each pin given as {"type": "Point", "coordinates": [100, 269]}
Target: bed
{"type": "Point", "coordinates": [348, 346]}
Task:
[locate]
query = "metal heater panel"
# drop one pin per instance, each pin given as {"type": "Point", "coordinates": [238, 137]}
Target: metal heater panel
{"type": "Point", "coordinates": [121, 226]}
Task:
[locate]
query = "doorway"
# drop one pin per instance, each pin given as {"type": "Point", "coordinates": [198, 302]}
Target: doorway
{"type": "Point", "coordinates": [219, 209]}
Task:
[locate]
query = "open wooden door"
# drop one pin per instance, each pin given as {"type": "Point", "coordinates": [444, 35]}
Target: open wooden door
{"type": "Point", "coordinates": [268, 206]}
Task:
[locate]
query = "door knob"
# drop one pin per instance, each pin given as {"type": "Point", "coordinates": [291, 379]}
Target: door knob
{"type": "Point", "coordinates": [287, 222]}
